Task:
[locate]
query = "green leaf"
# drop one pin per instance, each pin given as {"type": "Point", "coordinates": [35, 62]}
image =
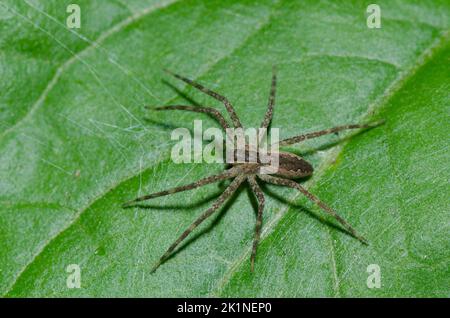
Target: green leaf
{"type": "Point", "coordinates": [76, 142]}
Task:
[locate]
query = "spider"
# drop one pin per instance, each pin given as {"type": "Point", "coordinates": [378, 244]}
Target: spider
{"type": "Point", "coordinates": [290, 167]}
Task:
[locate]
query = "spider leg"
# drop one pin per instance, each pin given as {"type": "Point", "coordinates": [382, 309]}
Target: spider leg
{"type": "Point", "coordinates": [224, 100]}
{"type": "Point", "coordinates": [225, 175]}
{"type": "Point", "coordinates": [295, 139]}
{"type": "Point", "coordinates": [198, 109]}
{"type": "Point", "coordinates": [268, 116]}
{"type": "Point", "coordinates": [260, 197]}
{"type": "Point", "coordinates": [224, 196]}
{"type": "Point", "coordinates": [313, 198]}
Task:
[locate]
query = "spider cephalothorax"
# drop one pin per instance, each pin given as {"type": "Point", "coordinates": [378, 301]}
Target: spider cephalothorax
{"type": "Point", "coordinates": [289, 166]}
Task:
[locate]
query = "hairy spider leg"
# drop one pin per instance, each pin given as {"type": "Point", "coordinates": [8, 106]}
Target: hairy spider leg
{"type": "Point", "coordinates": [295, 139]}
{"type": "Point", "coordinates": [230, 173]}
{"type": "Point", "coordinates": [260, 197]}
{"type": "Point", "coordinates": [313, 198]}
{"type": "Point", "coordinates": [269, 112]}
{"type": "Point", "coordinates": [218, 203]}
{"type": "Point", "coordinates": [198, 109]}
{"type": "Point", "coordinates": [223, 99]}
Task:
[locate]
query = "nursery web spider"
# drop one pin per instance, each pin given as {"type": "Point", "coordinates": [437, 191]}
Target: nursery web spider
{"type": "Point", "coordinates": [290, 166]}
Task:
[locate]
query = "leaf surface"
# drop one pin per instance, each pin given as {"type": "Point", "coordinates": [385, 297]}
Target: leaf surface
{"type": "Point", "coordinates": [76, 142]}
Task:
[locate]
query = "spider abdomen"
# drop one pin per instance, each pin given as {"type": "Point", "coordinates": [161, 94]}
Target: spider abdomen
{"type": "Point", "coordinates": [293, 166]}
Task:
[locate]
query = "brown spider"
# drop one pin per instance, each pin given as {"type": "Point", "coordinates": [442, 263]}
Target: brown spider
{"type": "Point", "coordinates": [290, 166]}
